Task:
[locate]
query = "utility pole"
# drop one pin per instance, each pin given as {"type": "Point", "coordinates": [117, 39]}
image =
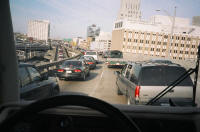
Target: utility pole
{"type": "Point", "coordinates": [172, 32]}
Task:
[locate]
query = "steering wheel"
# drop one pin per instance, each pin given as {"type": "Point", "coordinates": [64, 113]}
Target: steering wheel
{"type": "Point", "coordinates": [72, 100]}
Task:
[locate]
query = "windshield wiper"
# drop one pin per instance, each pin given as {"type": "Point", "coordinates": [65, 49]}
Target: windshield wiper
{"type": "Point", "coordinates": [178, 81]}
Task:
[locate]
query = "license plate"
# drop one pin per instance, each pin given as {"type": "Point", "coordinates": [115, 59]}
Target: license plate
{"type": "Point", "coordinates": [69, 71]}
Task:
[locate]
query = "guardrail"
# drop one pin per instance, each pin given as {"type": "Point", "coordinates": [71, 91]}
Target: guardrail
{"type": "Point", "coordinates": [45, 68]}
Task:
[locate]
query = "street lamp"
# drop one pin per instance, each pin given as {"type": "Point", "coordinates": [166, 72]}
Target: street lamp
{"type": "Point", "coordinates": [172, 19]}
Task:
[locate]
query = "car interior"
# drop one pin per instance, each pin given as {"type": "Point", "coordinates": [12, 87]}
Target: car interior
{"type": "Point", "coordinates": [75, 112]}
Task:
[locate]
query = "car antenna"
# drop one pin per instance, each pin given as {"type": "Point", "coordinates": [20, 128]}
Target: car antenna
{"type": "Point", "coordinates": [179, 80]}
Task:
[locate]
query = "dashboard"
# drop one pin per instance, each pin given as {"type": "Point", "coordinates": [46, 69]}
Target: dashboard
{"type": "Point", "coordinates": [80, 119]}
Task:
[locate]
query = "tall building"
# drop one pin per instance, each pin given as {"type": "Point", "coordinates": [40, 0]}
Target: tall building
{"type": "Point", "coordinates": [196, 21]}
{"type": "Point", "coordinates": [39, 29]}
{"type": "Point", "coordinates": [130, 10]}
{"type": "Point", "coordinates": [155, 39]}
{"type": "Point", "coordinates": [93, 31]}
{"type": "Point", "coordinates": [102, 42]}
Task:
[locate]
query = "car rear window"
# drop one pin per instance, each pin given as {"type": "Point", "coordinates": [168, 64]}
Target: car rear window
{"type": "Point", "coordinates": [115, 54]}
{"type": "Point", "coordinates": [72, 63]}
{"type": "Point", "coordinates": [91, 53]}
{"type": "Point", "coordinates": [163, 76]}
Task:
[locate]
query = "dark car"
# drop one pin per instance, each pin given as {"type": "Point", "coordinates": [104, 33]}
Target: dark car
{"type": "Point", "coordinates": [33, 86]}
{"type": "Point", "coordinates": [73, 69]}
{"type": "Point", "coordinates": [89, 60]}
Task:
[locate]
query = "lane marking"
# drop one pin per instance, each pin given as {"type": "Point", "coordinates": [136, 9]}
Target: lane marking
{"type": "Point", "coordinates": [97, 85]}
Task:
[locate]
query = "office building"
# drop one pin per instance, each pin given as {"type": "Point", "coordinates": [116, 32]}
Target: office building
{"type": "Point", "coordinates": [39, 29]}
{"type": "Point", "coordinates": [130, 10]}
{"type": "Point", "coordinates": [155, 38]}
{"type": "Point", "coordinates": [102, 42]}
{"type": "Point", "coordinates": [93, 31]}
{"type": "Point", "coordinates": [196, 21]}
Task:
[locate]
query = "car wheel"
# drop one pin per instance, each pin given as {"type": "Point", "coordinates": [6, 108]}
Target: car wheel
{"type": "Point", "coordinates": [118, 91]}
{"type": "Point", "coordinates": [84, 77]}
{"type": "Point", "coordinates": [88, 73]}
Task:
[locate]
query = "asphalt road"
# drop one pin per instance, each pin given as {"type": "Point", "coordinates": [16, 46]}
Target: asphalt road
{"type": "Point", "coordinates": [100, 84]}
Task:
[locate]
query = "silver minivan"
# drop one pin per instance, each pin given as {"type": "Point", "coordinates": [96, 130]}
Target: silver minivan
{"type": "Point", "coordinates": [140, 82]}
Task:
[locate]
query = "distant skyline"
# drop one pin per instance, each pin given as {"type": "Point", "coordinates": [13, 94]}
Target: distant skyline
{"type": "Point", "coordinates": [70, 18]}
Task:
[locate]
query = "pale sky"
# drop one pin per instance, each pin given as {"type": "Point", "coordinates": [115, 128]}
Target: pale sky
{"type": "Point", "coordinates": [70, 18]}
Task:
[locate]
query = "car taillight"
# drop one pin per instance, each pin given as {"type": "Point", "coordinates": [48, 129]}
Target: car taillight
{"type": "Point", "coordinates": [90, 63]}
{"type": "Point", "coordinates": [60, 70]}
{"type": "Point", "coordinates": [137, 92]}
{"type": "Point", "coordinates": [77, 70]}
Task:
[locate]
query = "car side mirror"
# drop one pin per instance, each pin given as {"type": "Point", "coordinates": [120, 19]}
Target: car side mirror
{"type": "Point", "coordinates": [116, 72]}
{"type": "Point", "coordinates": [45, 77]}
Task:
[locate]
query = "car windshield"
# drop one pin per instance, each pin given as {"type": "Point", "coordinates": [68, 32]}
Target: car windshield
{"type": "Point", "coordinates": [115, 54]}
{"type": "Point", "coordinates": [119, 49]}
{"type": "Point", "coordinates": [72, 63]}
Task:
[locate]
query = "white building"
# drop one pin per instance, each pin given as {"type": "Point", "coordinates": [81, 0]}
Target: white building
{"type": "Point", "coordinates": [39, 29]}
{"type": "Point", "coordinates": [130, 10]}
{"type": "Point", "coordinates": [102, 42]}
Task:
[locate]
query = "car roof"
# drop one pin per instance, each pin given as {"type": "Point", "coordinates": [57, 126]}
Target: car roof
{"type": "Point", "coordinates": [25, 64]}
{"type": "Point", "coordinates": [151, 63]}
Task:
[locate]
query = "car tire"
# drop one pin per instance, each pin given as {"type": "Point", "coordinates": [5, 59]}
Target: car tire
{"type": "Point", "coordinates": [118, 91]}
{"type": "Point", "coordinates": [83, 77]}
{"type": "Point", "coordinates": [88, 74]}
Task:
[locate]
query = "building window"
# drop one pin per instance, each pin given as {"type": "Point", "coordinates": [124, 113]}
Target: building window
{"type": "Point", "coordinates": [163, 50]}
{"type": "Point", "coordinates": [152, 49]}
{"type": "Point", "coordinates": [183, 38]}
{"type": "Point", "coordinates": [159, 43]}
{"type": "Point", "coordinates": [175, 51]}
{"type": "Point", "coordinates": [188, 39]}
{"type": "Point", "coordinates": [176, 44]}
{"type": "Point", "coordinates": [193, 46]}
{"type": "Point", "coordinates": [158, 50]}
{"type": "Point", "coordinates": [181, 52]}
{"type": "Point", "coordinates": [192, 53]}
{"type": "Point", "coordinates": [182, 45]}
{"type": "Point", "coordinates": [164, 43]}
{"type": "Point", "coordinates": [186, 52]}
{"type": "Point", "coordinates": [177, 38]}
{"type": "Point", "coordinates": [147, 41]}
{"type": "Point", "coordinates": [187, 45]}
{"type": "Point", "coordinates": [166, 36]}
{"type": "Point", "coordinates": [153, 42]}
{"type": "Point", "coordinates": [141, 41]}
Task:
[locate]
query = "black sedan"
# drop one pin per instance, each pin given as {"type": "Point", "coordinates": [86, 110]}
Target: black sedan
{"type": "Point", "coordinates": [33, 85]}
{"type": "Point", "coordinates": [73, 69]}
{"type": "Point", "coordinates": [89, 60]}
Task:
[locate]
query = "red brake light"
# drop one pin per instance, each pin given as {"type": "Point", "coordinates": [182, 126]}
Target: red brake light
{"type": "Point", "coordinates": [60, 70]}
{"type": "Point", "coordinates": [90, 63]}
{"type": "Point", "coordinates": [77, 70]}
{"type": "Point", "coordinates": [137, 92]}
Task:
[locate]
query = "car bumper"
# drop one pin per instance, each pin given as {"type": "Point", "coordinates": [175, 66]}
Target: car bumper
{"type": "Point", "coordinates": [70, 75]}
